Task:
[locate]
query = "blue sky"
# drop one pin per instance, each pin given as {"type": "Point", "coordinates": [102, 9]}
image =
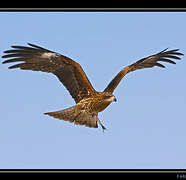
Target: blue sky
{"type": "Point", "coordinates": [146, 127]}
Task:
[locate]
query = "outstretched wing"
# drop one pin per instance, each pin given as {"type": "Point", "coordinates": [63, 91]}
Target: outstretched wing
{"type": "Point", "coordinates": [69, 72]}
{"type": "Point", "coordinates": [147, 62]}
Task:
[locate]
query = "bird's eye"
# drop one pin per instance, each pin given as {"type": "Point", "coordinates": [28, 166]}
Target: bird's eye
{"type": "Point", "coordinates": [107, 97]}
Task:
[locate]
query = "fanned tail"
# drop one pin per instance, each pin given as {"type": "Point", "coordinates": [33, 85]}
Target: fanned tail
{"type": "Point", "coordinates": [65, 114]}
{"type": "Point", "coordinates": [82, 118]}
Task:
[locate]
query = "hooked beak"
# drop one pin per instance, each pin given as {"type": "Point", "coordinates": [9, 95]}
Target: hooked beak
{"type": "Point", "coordinates": [112, 98]}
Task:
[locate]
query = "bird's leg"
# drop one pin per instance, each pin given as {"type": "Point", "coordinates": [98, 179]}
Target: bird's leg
{"type": "Point", "coordinates": [103, 127]}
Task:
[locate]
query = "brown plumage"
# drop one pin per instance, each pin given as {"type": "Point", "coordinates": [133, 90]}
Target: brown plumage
{"type": "Point", "coordinates": [89, 102]}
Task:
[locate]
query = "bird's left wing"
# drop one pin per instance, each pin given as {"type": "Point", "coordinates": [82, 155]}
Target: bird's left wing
{"type": "Point", "coordinates": [147, 62]}
{"type": "Point", "coordinates": [69, 72]}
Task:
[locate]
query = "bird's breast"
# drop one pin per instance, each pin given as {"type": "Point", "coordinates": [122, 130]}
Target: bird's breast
{"type": "Point", "coordinates": [93, 105]}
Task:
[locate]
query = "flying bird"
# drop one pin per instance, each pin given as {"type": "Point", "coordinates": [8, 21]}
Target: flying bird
{"type": "Point", "coordinates": [89, 102]}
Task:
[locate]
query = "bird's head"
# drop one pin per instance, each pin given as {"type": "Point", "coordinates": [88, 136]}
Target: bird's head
{"type": "Point", "coordinates": [113, 98]}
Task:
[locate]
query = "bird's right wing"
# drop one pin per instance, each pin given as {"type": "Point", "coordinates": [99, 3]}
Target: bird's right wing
{"type": "Point", "coordinates": [69, 72]}
{"type": "Point", "coordinates": [147, 62]}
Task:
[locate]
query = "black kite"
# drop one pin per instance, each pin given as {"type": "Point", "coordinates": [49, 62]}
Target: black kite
{"type": "Point", "coordinates": [89, 102]}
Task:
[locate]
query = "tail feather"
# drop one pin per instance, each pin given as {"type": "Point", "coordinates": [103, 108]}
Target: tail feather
{"type": "Point", "coordinates": [69, 114]}
{"type": "Point", "coordinates": [65, 114]}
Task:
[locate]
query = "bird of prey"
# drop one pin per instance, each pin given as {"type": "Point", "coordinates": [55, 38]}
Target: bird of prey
{"type": "Point", "coordinates": [89, 102]}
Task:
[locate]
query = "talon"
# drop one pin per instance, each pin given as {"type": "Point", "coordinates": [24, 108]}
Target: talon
{"type": "Point", "coordinates": [103, 127]}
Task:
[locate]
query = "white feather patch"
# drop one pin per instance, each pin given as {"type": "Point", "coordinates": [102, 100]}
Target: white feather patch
{"type": "Point", "coordinates": [48, 55]}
